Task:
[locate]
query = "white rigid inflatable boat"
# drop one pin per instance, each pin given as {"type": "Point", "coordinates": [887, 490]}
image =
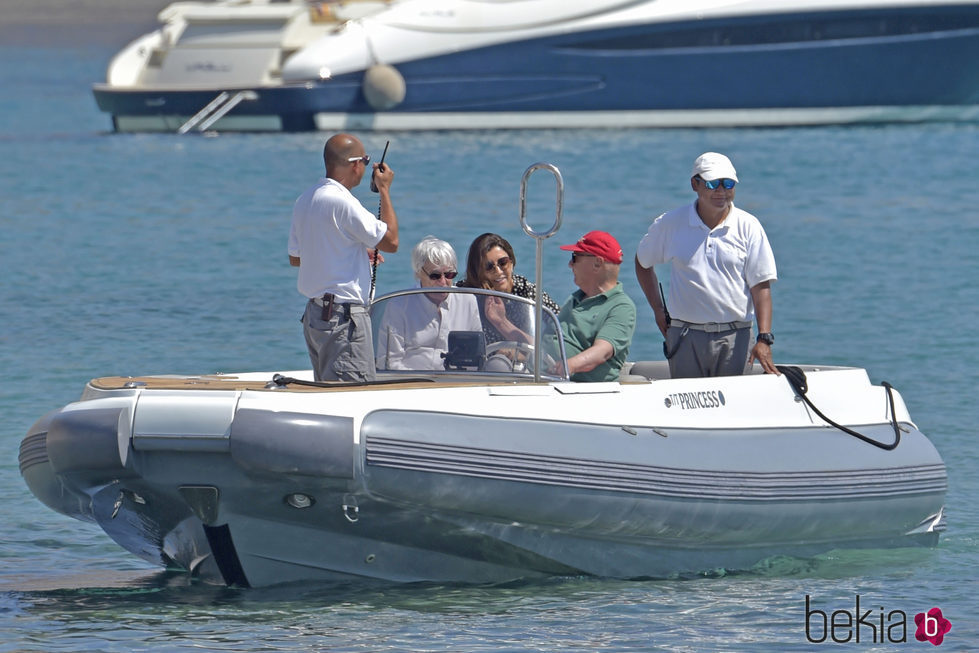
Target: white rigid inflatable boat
{"type": "Point", "coordinates": [492, 469]}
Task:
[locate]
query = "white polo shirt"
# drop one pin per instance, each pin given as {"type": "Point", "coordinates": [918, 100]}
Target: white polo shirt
{"type": "Point", "coordinates": [331, 232]}
{"type": "Point", "coordinates": [712, 271]}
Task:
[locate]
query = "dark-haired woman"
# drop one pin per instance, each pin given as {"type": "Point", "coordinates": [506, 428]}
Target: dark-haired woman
{"type": "Point", "coordinates": [490, 265]}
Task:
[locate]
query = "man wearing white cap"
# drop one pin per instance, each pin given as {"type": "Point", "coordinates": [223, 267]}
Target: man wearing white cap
{"type": "Point", "coordinates": [721, 270]}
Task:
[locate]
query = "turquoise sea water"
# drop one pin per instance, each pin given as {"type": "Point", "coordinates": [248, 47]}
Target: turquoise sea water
{"type": "Point", "coordinates": [136, 254]}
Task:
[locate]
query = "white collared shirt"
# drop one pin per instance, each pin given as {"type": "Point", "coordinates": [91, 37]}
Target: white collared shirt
{"type": "Point", "coordinates": [331, 233]}
{"type": "Point", "coordinates": [712, 271]}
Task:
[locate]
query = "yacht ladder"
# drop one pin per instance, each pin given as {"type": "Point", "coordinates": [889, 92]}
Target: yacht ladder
{"type": "Point", "coordinates": [216, 109]}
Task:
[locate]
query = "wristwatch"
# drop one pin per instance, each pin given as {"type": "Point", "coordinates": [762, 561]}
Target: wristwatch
{"type": "Point", "coordinates": [767, 338]}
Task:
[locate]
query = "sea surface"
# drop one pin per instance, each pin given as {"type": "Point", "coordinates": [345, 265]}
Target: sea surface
{"type": "Point", "coordinates": [143, 254]}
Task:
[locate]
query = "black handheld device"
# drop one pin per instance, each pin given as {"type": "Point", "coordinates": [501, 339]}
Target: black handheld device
{"type": "Point", "coordinates": [666, 351]}
{"type": "Point", "coordinates": [380, 166]}
{"type": "Point", "coordinates": [666, 311]}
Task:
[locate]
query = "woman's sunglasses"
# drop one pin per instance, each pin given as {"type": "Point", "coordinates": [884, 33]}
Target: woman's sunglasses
{"type": "Point", "coordinates": [503, 263]}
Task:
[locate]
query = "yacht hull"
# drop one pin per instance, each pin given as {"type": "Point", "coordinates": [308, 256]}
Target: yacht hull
{"type": "Point", "coordinates": [800, 66]}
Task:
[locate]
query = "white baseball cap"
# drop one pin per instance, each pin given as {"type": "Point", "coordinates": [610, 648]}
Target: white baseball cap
{"type": "Point", "coordinates": [711, 165]}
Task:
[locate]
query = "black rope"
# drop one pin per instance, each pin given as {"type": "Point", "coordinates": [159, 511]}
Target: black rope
{"type": "Point", "coordinates": [377, 252]}
{"type": "Point", "coordinates": [283, 381]}
{"type": "Point", "coordinates": [797, 379]}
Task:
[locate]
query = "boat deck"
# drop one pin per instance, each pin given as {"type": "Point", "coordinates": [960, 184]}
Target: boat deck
{"type": "Point", "coordinates": [632, 372]}
{"type": "Point", "coordinates": [249, 382]}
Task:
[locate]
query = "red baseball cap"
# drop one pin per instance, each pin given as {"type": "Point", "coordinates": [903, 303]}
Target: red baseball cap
{"type": "Point", "coordinates": [598, 243]}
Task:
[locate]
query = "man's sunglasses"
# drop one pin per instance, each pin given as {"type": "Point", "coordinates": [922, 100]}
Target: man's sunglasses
{"type": "Point", "coordinates": [435, 276]}
{"type": "Point", "coordinates": [714, 183]}
{"type": "Point", "coordinates": [366, 159]}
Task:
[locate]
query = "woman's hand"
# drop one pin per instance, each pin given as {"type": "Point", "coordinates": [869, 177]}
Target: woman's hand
{"type": "Point", "coordinates": [495, 312]}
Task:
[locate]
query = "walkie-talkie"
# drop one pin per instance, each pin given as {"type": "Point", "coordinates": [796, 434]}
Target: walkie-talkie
{"type": "Point", "coordinates": [380, 166]}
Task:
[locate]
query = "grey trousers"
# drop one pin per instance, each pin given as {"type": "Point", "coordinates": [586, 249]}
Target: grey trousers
{"type": "Point", "coordinates": [699, 354]}
{"type": "Point", "coordinates": [341, 348]}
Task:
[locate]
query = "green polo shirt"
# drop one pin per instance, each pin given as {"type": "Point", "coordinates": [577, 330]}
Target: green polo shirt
{"type": "Point", "coordinates": [610, 316]}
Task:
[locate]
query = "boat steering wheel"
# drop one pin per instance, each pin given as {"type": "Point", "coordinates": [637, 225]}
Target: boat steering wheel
{"type": "Point", "coordinates": [509, 356]}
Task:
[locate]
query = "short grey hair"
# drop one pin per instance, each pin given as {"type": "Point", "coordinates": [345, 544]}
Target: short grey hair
{"type": "Point", "coordinates": [435, 251]}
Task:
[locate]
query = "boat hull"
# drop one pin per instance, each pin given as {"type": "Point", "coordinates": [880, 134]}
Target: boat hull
{"type": "Point", "coordinates": [810, 67]}
{"type": "Point", "coordinates": [255, 487]}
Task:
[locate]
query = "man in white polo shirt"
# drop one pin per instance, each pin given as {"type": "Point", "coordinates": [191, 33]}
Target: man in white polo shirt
{"type": "Point", "coordinates": [329, 241]}
{"type": "Point", "coordinates": [721, 270]}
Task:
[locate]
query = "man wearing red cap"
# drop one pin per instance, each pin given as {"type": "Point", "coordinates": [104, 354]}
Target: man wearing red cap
{"type": "Point", "coordinates": [721, 270]}
{"type": "Point", "coordinates": [598, 319]}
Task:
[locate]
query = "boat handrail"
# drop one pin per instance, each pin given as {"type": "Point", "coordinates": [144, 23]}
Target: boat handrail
{"type": "Point", "coordinates": [418, 290]}
{"type": "Point", "coordinates": [540, 237]}
{"type": "Point", "coordinates": [216, 109]}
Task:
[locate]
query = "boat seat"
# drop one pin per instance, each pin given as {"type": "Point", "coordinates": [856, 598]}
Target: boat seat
{"type": "Point", "coordinates": [644, 371]}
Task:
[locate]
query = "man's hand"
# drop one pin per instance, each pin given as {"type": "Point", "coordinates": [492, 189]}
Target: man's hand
{"type": "Point", "coordinates": [762, 352]}
{"type": "Point", "coordinates": [382, 175]}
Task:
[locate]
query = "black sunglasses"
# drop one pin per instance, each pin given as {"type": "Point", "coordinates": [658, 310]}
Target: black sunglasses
{"type": "Point", "coordinates": [575, 255]}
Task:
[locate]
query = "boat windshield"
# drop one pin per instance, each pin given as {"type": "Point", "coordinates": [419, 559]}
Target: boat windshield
{"type": "Point", "coordinates": [463, 331]}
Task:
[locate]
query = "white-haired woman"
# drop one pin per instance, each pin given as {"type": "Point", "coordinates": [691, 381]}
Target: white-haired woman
{"type": "Point", "coordinates": [414, 330]}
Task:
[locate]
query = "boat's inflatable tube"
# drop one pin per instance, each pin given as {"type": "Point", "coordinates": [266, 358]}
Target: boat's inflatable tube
{"type": "Point", "coordinates": [87, 441]}
{"type": "Point", "coordinates": [293, 443]}
{"type": "Point", "coordinates": [80, 445]}
{"type": "Point", "coordinates": [384, 87]}
{"type": "Point", "coordinates": [39, 475]}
